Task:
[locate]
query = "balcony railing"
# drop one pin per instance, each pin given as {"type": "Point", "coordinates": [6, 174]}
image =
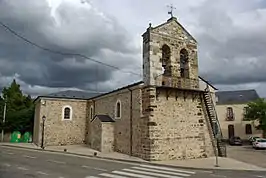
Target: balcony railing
{"type": "Point", "coordinates": [230, 117]}
{"type": "Point", "coordinates": [177, 82]}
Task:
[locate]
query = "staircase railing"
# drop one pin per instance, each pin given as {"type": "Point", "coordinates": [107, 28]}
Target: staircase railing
{"type": "Point", "coordinates": [215, 125]}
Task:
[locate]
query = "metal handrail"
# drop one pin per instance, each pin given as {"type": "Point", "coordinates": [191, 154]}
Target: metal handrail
{"type": "Point", "coordinates": [219, 135]}
{"type": "Point", "coordinates": [216, 117]}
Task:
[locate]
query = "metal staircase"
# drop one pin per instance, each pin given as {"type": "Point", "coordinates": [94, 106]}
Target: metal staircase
{"type": "Point", "coordinates": [216, 129]}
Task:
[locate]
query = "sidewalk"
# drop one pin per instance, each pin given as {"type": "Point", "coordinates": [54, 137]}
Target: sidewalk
{"type": "Point", "coordinates": [205, 163]}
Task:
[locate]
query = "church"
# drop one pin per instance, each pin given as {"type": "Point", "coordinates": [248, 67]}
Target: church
{"type": "Point", "coordinates": [169, 115]}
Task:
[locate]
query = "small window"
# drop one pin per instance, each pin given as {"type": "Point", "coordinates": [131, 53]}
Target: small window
{"type": "Point", "coordinates": [118, 109]}
{"type": "Point", "coordinates": [91, 113]}
{"type": "Point", "coordinates": [229, 114]}
{"type": "Point", "coordinates": [248, 129]}
{"type": "Point", "coordinates": [67, 113]}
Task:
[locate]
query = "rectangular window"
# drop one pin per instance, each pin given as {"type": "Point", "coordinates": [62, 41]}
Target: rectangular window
{"type": "Point", "coordinates": [248, 129]}
{"type": "Point", "coordinates": [244, 113]}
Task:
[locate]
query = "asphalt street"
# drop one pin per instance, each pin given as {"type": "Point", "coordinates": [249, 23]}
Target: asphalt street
{"type": "Point", "coordinates": [22, 163]}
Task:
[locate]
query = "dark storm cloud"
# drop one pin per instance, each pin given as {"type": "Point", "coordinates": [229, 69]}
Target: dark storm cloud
{"type": "Point", "coordinates": [231, 36]}
{"type": "Point", "coordinates": [232, 42]}
{"type": "Point", "coordinates": [74, 28]}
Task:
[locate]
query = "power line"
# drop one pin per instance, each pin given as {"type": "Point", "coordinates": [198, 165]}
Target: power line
{"type": "Point", "coordinates": [62, 53]}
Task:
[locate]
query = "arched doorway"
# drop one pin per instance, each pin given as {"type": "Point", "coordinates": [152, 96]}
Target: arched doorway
{"type": "Point", "coordinates": [231, 131]}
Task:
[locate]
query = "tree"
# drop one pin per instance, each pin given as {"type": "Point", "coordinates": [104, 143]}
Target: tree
{"type": "Point", "coordinates": [20, 109]}
{"type": "Point", "coordinates": [256, 111]}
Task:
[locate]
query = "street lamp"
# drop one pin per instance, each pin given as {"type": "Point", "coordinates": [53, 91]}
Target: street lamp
{"type": "Point", "coordinates": [43, 121]}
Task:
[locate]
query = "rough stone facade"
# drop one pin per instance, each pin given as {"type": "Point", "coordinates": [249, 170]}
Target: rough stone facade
{"type": "Point", "coordinates": [177, 38]}
{"type": "Point", "coordinates": [96, 135]}
{"type": "Point", "coordinates": [107, 137]}
{"type": "Point", "coordinates": [58, 131]}
{"type": "Point", "coordinates": [176, 125]}
{"type": "Point", "coordinates": [102, 135]}
{"type": "Point", "coordinates": [125, 134]}
{"type": "Point", "coordinates": [173, 122]}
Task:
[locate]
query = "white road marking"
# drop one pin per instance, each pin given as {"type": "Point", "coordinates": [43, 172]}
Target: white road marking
{"type": "Point", "coordinates": [58, 162]}
{"type": "Point", "coordinates": [205, 171]}
{"type": "Point", "coordinates": [42, 173]}
{"type": "Point", "coordinates": [9, 153]}
{"type": "Point", "coordinates": [31, 157]}
{"type": "Point", "coordinates": [89, 167]}
{"type": "Point", "coordinates": [261, 176]}
{"type": "Point", "coordinates": [111, 175]}
{"type": "Point", "coordinates": [167, 169]}
{"type": "Point", "coordinates": [150, 173]}
{"type": "Point", "coordinates": [22, 168]}
{"type": "Point", "coordinates": [7, 165]}
{"type": "Point", "coordinates": [91, 177]}
{"type": "Point", "coordinates": [216, 175]}
{"type": "Point", "coordinates": [164, 172]}
{"type": "Point", "coordinates": [131, 174]}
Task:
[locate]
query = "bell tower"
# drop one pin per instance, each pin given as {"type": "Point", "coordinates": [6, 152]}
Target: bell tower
{"type": "Point", "coordinates": [170, 56]}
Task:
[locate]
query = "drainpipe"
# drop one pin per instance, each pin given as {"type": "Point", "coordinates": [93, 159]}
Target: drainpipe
{"type": "Point", "coordinates": [131, 126]}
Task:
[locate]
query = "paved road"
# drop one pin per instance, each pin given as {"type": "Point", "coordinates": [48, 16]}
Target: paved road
{"type": "Point", "coordinates": [21, 163]}
{"type": "Point", "coordinates": [247, 154]}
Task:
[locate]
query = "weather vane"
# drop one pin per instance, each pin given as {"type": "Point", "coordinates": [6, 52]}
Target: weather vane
{"type": "Point", "coordinates": [171, 9]}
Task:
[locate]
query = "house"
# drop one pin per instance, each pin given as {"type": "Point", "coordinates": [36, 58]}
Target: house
{"type": "Point", "coordinates": [230, 108]}
{"type": "Point", "coordinates": [166, 116]}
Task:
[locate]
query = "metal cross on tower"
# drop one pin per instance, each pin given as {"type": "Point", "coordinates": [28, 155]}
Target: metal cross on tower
{"type": "Point", "coordinates": [171, 9]}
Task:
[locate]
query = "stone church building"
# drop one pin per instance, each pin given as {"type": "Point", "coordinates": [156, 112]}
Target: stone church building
{"type": "Point", "coordinates": [168, 115]}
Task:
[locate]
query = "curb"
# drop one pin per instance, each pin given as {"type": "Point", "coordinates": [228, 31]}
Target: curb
{"type": "Point", "coordinates": [133, 161]}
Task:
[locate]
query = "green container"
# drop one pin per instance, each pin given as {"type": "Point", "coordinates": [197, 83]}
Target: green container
{"type": "Point", "coordinates": [26, 137]}
{"type": "Point", "coordinates": [15, 137]}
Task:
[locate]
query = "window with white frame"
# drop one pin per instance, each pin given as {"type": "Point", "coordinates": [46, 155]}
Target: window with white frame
{"type": "Point", "coordinates": [67, 113]}
{"type": "Point", "coordinates": [118, 109]}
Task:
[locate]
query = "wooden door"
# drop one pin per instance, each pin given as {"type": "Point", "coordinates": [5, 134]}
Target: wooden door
{"type": "Point", "coordinates": [231, 131]}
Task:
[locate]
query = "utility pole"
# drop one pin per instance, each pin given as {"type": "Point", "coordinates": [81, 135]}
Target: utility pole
{"type": "Point", "coordinates": [4, 120]}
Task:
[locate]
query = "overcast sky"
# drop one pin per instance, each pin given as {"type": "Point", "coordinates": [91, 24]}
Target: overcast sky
{"type": "Point", "coordinates": [231, 35]}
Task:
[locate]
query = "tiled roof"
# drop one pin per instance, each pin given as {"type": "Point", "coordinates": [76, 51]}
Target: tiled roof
{"type": "Point", "coordinates": [236, 97]}
{"type": "Point", "coordinates": [104, 118]}
{"type": "Point", "coordinates": [73, 94]}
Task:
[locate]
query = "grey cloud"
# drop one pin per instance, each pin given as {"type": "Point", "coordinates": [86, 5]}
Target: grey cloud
{"type": "Point", "coordinates": [230, 52]}
{"type": "Point", "coordinates": [79, 30]}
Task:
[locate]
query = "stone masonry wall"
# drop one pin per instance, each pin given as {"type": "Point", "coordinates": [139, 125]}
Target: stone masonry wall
{"type": "Point", "coordinates": [63, 132]}
{"type": "Point", "coordinates": [106, 104]}
{"type": "Point", "coordinates": [177, 126]}
{"type": "Point", "coordinates": [172, 34]}
{"type": "Point", "coordinates": [96, 135]}
{"type": "Point", "coordinates": [107, 137]}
